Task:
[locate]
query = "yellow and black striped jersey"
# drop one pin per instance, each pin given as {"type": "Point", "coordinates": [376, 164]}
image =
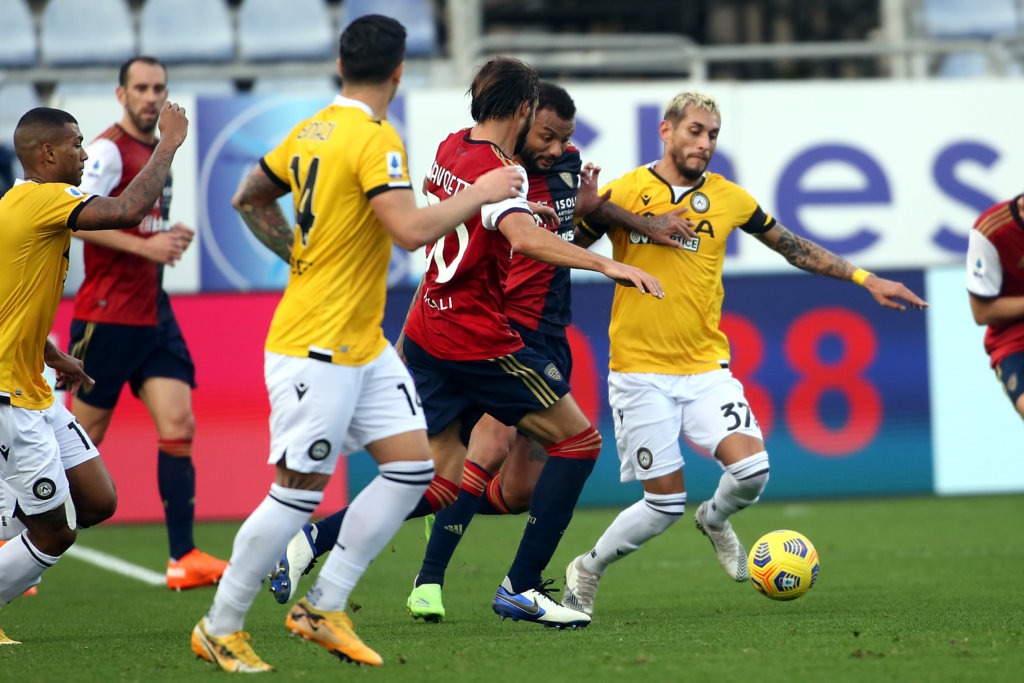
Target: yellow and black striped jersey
{"type": "Point", "coordinates": [36, 220]}
{"type": "Point", "coordinates": [334, 163]}
{"type": "Point", "coordinates": [677, 335]}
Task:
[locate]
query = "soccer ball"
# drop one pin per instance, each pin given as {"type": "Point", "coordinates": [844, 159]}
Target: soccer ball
{"type": "Point", "coordinates": [783, 565]}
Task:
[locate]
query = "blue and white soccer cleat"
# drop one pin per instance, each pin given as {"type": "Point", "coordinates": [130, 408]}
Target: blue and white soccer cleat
{"type": "Point", "coordinates": [536, 605]}
{"type": "Point", "coordinates": [298, 559]}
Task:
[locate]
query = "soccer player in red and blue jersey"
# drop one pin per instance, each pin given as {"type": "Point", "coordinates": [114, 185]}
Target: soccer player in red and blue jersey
{"type": "Point", "coordinates": [123, 327]}
{"type": "Point", "coordinates": [995, 281]}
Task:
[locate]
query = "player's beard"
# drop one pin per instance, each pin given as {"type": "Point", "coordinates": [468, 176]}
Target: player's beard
{"type": "Point", "coordinates": [521, 140]}
{"type": "Point", "coordinates": [146, 126]}
{"type": "Point", "coordinates": [688, 172]}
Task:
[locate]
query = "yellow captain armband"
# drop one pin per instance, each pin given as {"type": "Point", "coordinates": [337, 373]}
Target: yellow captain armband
{"type": "Point", "coordinates": [860, 275]}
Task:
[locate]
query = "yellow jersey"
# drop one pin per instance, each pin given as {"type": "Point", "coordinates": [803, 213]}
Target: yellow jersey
{"type": "Point", "coordinates": [334, 163]}
{"type": "Point", "coordinates": [677, 335]}
{"type": "Point", "coordinates": [36, 220]}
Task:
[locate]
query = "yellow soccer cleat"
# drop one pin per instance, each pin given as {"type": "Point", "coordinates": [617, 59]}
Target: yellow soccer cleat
{"type": "Point", "coordinates": [331, 630]}
{"type": "Point", "coordinates": [7, 640]}
{"type": "Point", "coordinates": [231, 653]}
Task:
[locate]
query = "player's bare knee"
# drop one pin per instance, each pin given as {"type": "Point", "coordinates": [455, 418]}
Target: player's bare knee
{"type": "Point", "coordinates": [99, 508]}
{"type": "Point", "coordinates": [516, 497]}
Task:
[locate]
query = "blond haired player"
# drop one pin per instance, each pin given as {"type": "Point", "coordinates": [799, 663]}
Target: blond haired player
{"type": "Point", "coordinates": [669, 369]}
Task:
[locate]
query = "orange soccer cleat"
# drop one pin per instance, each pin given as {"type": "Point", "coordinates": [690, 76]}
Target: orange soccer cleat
{"type": "Point", "coordinates": [193, 570]}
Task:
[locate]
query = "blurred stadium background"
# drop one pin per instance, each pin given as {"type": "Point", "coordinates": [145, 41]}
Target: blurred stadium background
{"type": "Point", "coordinates": [878, 128]}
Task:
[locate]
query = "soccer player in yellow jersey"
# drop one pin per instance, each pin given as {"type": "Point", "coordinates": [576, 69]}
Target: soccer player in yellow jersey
{"type": "Point", "coordinates": [669, 371]}
{"type": "Point", "coordinates": [46, 458]}
{"type": "Point", "coordinates": [336, 385]}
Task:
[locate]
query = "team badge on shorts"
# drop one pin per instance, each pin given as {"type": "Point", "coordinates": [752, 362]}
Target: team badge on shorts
{"type": "Point", "coordinates": [44, 489]}
{"type": "Point", "coordinates": [699, 202]}
{"type": "Point", "coordinates": [320, 449]}
{"type": "Point", "coordinates": [644, 458]}
{"type": "Point", "coordinates": [552, 372]}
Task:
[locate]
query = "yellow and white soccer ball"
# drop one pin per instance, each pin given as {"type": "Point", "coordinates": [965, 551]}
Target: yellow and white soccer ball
{"type": "Point", "coordinates": [783, 565]}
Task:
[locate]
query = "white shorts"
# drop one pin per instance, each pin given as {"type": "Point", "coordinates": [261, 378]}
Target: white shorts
{"type": "Point", "coordinates": [37, 446]}
{"type": "Point", "coordinates": [321, 410]}
{"type": "Point", "coordinates": [651, 411]}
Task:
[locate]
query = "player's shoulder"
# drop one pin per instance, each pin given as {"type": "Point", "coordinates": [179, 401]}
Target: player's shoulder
{"type": "Point", "coordinates": [996, 217]}
{"type": "Point", "coordinates": [569, 162]}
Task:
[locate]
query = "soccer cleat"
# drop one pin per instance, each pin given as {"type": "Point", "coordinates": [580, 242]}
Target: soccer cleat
{"type": "Point", "coordinates": [298, 559]}
{"type": "Point", "coordinates": [425, 603]}
{"type": "Point", "coordinates": [330, 630]}
{"type": "Point", "coordinates": [231, 653]}
{"type": "Point", "coordinates": [7, 640]}
{"type": "Point", "coordinates": [580, 587]}
{"type": "Point", "coordinates": [193, 570]}
{"type": "Point", "coordinates": [731, 554]}
{"type": "Point", "coordinates": [536, 605]}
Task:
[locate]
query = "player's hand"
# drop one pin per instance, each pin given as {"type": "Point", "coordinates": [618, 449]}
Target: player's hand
{"type": "Point", "coordinates": [670, 229]}
{"type": "Point", "coordinates": [70, 370]}
{"type": "Point", "coordinates": [545, 214]}
{"type": "Point", "coordinates": [628, 276]}
{"type": "Point", "coordinates": [173, 125]}
{"type": "Point", "coordinates": [888, 292]}
{"type": "Point", "coordinates": [499, 184]}
{"type": "Point", "coordinates": [587, 198]}
{"type": "Point", "coordinates": [185, 234]}
{"type": "Point", "coordinates": [165, 247]}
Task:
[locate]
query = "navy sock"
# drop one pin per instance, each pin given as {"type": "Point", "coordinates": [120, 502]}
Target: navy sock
{"type": "Point", "coordinates": [176, 481]}
{"type": "Point", "coordinates": [554, 499]}
{"type": "Point", "coordinates": [449, 526]}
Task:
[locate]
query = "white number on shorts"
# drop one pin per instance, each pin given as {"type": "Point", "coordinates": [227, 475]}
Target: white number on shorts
{"type": "Point", "coordinates": [729, 410]}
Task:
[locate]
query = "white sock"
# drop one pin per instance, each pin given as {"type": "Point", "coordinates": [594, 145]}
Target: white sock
{"type": "Point", "coordinates": [21, 565]}
{"type": "Point", "coordinates": [258, 544]}
{"type": "Point", "coordinates": [740, 486]}
{"type": "Point", "coordinates": [634, 526]}
{"type": "Point", "coordinates": [10, 527]}
{"type": "Point", "coordinates": [371, 521]}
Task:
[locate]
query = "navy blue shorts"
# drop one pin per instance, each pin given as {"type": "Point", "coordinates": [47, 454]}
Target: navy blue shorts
{"type": "Point", "coordinates": [1010, 372]}
{"type": "Point", "coordinates": [116, 354]}
{"type": "Point", "coordinates": [507, 387]}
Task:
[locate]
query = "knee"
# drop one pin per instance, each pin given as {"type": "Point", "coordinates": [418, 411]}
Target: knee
{"type": "Point", "coordinates": [98, 508]}
{"type": "Point", "coordinates": [750, 476]}
{"type": "Point", "coordinates": [53, 540]}
{"type": "Point", "coordinates": [180, 426]}
{"type": "Point", "coordinates": [516, 496]}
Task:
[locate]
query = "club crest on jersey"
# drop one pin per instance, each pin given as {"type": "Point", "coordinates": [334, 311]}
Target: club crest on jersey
{"type": "Point", "coordinates": [320, 449]}
{"type": "Point", "coordinates": [567, 178]}
{"type": "Point", "coordinates": [699, 202]}
{"type": "Point", "coordinates": [552, 372]}
{"type": "Point", "coordinates": [44, 489]}
{"type": "Point", "coordinates": [644, 458]}
{"type": "Point", "coordinates": [395, 165]}
{"type": "Point", "coordinates": [1011, 382]}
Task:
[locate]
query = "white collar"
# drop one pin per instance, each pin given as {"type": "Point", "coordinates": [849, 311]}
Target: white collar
{"type": "Point", "coordinates": [340, 101]}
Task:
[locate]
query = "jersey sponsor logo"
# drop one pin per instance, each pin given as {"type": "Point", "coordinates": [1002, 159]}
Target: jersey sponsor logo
{"type": "Point", "coordinates": [689, 243]}
{"type": "Point", "coordinates": [320, 449]}
{"type": "Point", "coordinates": [644, 458]}
{"type": "Point", "coordinates": [395, 165]}
{"type": "Point", "coordinates": [74, 192]}
{"type": "Point", "coordinates": [317, 131]}
{"type": "Point", "coordinates": [44, 489]}
{"type": "Point", "coordinates": [699, 202]}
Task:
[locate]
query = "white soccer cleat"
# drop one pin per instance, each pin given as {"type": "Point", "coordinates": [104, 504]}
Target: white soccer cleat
{"type": "Point", "coordinates": [298, 559]}
{"type": "Point", "coordinates": [731, 553]}
{"type": "Point", "coordinates": [580, 586]}
{"type": "Point", "coordinates": [536, 605]}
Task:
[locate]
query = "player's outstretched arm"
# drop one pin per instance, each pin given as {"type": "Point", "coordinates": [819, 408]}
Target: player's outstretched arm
{"type": "Point", "coordinates": [162, 247]}
{"type": "Point", "coordinates": [814, 258]}
{"type": "Point", "coordinates": [526, 238]}
{"type": "Point", "coordinates": [411, 227]}
{"type": "Point", "coordinates": [129, 208]}
{"type": "Point", "coordinates": [256, 202]}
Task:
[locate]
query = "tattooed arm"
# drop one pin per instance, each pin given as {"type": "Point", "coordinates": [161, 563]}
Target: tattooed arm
{"type": "Point", "coordinates": [129, 208]}
{"type": "Point", "coordinates": [814, 258]}
{"type": "Point", "coordinates": [256, 202]}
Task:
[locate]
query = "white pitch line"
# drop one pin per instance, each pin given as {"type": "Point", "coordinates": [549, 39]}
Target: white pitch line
{"type": "Point", "coordinates": [117, 565]}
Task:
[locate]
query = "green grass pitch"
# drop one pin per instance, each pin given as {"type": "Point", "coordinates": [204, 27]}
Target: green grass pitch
{"type": "Point", "coordinates": [920, 589]}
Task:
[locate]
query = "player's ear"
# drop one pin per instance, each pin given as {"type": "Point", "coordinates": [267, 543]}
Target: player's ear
{"type": "Point", "coordinates": [397, 76]}
{"type": "Point", "coordinates": [122, 97]}
{"type": "Point", "coordinates": [339, 66]}
{"type": "Point", "coordinates": [665, 129]}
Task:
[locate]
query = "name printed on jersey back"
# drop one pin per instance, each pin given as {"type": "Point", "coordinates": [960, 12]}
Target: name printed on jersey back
{"type": "Point", "coordinates": [446, 180]}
